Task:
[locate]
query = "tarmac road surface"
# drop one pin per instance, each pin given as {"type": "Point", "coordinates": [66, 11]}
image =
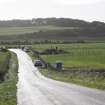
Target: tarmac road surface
{"type": "Point", "coordinates": [35, 89]}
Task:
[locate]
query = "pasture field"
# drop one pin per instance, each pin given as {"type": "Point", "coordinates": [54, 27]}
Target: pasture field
{"type": "Point", "coordinates": [23, 30]}
{"type": "Point", "coordinates": [79, 56]}
{"type": "Point", "coordinates": [85, 56]}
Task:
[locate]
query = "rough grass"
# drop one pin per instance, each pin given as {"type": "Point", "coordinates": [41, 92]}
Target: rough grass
{"type": "Point", "coordinates": [8, 87]}
{"type": "Point", "coordinates": [4, 63]}
{"type": "Point", "coordinates": [23, 30]}
{"type": "Point", "coordinates": [88, 81]}
{"type": "Point", "coordinates": [80, 56]}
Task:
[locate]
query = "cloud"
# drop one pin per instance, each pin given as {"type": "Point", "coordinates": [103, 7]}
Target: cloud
{"type": "Point", "coordinates": [7, 1]}
{"type": "Point", "coordinates": [77, 2]}
{"type": "Point", "coordinates": [82, 9]}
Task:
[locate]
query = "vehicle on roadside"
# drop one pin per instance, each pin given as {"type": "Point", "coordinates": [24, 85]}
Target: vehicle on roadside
{"type": "Point", "coordinates": [38, 63]}
{"type": "Point", "coordinates": [26, 49]}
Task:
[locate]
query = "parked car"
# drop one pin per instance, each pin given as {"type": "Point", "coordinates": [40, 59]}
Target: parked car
{"type": "Point", "coordinates": [38, 63]}
{"type": "Point", "coordinates": [26, 49]}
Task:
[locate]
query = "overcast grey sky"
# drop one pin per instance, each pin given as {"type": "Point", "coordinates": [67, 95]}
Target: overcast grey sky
{"type": "Point", "coordinates": [78, 9]}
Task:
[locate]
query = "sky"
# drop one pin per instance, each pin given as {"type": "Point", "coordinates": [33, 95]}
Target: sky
{"type": "Point", "coordinates": [89, 10]}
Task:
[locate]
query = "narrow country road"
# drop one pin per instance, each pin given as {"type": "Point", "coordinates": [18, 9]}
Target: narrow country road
{"type": "Point", "coordinates": [35, 89]}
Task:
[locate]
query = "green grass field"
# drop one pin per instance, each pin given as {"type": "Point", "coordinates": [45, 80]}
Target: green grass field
{"type": "Point", "coordinates": [79, 56]}
{"type": "Point", "coordinates": [23, 30]}
{"type": "Point", "coordinates": [8, 87]}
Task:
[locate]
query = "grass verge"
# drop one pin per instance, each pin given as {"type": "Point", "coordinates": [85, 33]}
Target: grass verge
{"type": "Point", "coordinates": [8, 87]}
{"type": "Point", "coordinates": [4, 63]}
{"type": "Point", "coordinates": [88, 81]}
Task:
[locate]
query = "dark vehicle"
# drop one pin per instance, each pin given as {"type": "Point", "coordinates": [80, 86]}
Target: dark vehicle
{"type": "Point", "coordinates": [26, 49]}
{"type": "Point", "coordinates": [38, 63]}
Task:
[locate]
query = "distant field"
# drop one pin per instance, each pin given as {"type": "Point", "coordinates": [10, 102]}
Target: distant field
{"type": "Point", "coordinates": [80, 56]}
{"type": "Point", "coordinates": [23, 30]}
{"type": "Point", "coordinates": [50, 33]}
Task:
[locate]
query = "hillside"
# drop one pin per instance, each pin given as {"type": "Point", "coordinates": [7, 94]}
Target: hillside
{"type": "Point", "coordinates": [51, 29]}
{"type": "Point", "coordinates": [64, 35]}
{"type": "Point", "coordinates": [23, 30]}
{"type": "Point", "coordinates": [65, 22]}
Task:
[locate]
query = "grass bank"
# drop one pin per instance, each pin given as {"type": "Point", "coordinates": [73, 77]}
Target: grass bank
{"type": "Point", "coordinates": [88, 81]}
{"type": "Point", "coordinates": [8, 87]}
{"type": "Point", "coordinates": [4, 63]}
